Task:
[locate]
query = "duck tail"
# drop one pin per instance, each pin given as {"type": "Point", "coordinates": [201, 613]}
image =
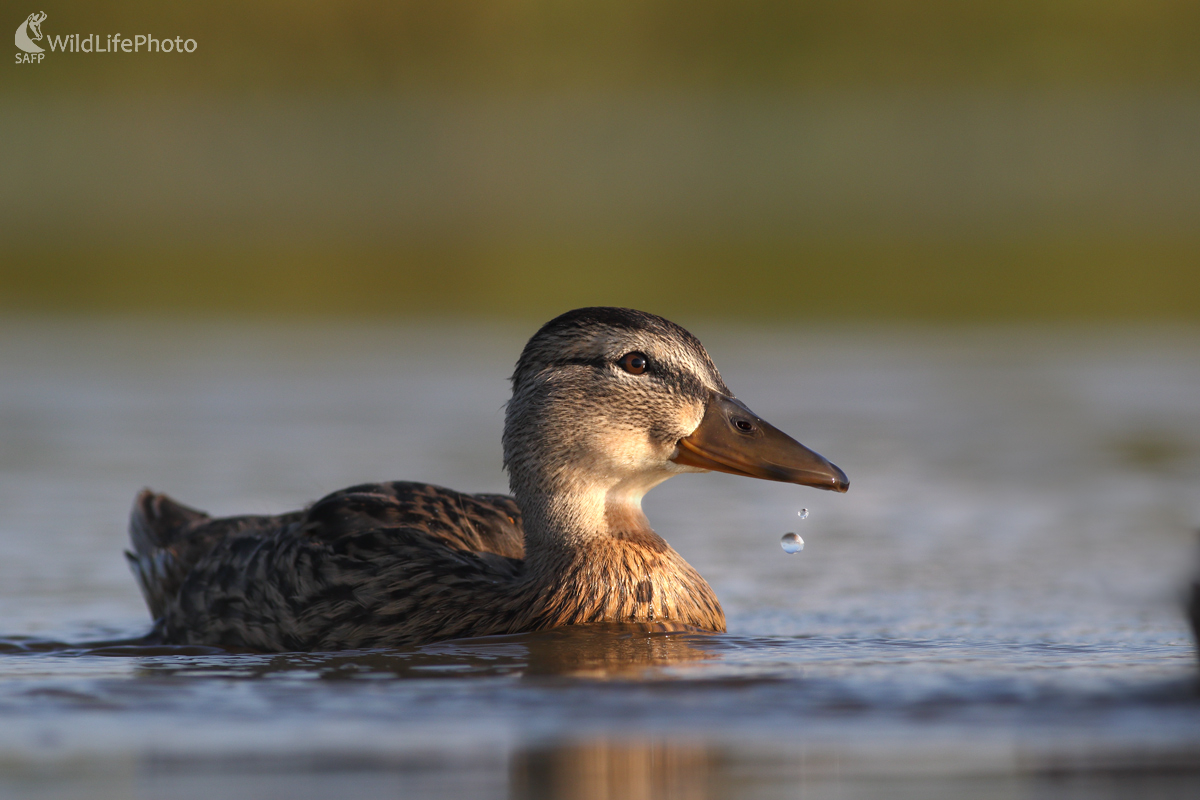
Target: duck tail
{"type": "Point", "coordinates": [157, 521]}
{"type": "Point", "coordinates": [158, 526]}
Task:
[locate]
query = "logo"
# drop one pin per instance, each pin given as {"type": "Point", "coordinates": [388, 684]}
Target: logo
{"type": "Point", "coordinates": [29, 33]}
{"type": "Point", "coordinates": [32, 24]}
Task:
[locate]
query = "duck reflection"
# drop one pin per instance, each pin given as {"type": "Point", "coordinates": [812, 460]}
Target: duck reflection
{"type": "Point", "coordinates": [627, 769]}
{"type": "Point", "coordinates": [600, 651]}
{"type": "Point", "coordinates": [614, 650]}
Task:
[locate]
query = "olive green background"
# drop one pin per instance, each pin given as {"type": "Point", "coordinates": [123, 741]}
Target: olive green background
{"type": "Point", "coordinates": [865, 160]}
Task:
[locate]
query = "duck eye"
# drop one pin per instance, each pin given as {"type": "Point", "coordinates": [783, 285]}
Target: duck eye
{"type": "Point", "coordinates": [634, 363]}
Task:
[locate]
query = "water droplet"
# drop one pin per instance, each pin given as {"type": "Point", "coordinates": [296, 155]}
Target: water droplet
{"type": "Point", "coordinates": [791, 543]}
{"type": "Point", "coordinates": [803, 513]}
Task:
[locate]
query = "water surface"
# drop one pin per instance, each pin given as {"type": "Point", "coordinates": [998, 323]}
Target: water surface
{"type": "Point", "coordinates": [991, 610]}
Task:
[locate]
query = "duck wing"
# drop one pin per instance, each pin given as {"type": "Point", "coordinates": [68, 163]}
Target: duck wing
{"type": "Point", "coordinates": [248, 580]}
{"type": "Point", "coordinates": [489, 523]}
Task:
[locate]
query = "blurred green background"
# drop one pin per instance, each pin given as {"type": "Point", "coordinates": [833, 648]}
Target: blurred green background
{"type": "Point", "coordinates": [870, 159]}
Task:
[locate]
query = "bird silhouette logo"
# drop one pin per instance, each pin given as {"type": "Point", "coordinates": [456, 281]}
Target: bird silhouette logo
{"type": "Point", "coordinates": [30, 31]}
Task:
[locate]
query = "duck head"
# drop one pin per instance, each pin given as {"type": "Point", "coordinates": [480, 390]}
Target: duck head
{"type": "Point", "coordinates": [609, 402]}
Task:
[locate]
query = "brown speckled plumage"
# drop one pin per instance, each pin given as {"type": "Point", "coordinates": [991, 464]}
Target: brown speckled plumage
{"type": "Point", "coordinates": [393, 564]}
{"type": "Point", "coordinates": [390, 564]}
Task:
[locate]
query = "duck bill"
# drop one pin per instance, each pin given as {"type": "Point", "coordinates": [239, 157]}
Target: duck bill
{"type": "Point", "coordinates": [732, 438]}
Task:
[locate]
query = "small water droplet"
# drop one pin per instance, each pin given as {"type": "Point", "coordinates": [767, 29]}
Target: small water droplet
{"type": "Point", "coordinates": [803, 513]}
{"type": "Point", "coordinates": [791, 543]}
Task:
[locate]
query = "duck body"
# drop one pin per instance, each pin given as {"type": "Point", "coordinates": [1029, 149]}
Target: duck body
{"type": "Point", "coordinates": [607, 403]}
{"type": "Point", "coordinates": [388, 565]}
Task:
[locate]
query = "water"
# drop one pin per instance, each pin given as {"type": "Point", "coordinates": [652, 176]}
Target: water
{"type": "Point", "coordinates": [802, 513]}
{"type": "Point", "coordinates": [791, 543]}
{"type": "Point", "coordinates": [993, 613]}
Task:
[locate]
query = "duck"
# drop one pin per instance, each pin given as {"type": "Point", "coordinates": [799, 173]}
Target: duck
{"type": "Point", "coordinates": [606, 404]}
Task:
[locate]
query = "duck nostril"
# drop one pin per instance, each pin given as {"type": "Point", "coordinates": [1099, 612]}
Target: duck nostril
{"type": "Point", "coordinates": [744, 425]}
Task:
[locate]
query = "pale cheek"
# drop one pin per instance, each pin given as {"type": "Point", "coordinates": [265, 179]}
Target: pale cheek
{"type": "Point", "coordinates": [626, 451]}
{"type": "Point", "coordinates": [690, 418]}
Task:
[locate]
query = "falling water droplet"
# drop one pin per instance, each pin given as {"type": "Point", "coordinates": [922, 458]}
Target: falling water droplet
{"type": "Point", "coordinates": [791, 543]}
{"type": "Point", "coordinates": [803, 513]}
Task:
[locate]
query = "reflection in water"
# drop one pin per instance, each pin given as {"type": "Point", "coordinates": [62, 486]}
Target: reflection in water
{"type": "Point", "coordinates": [596, 651]}
{"type": "Point", "coordinates": [610, 769]}
{"type": "Point", "coordinates": [132, 648]}
{"type": "Point", "coordinates": [614, 650]}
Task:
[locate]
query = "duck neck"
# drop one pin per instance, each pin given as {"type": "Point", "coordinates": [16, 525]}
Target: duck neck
{"type": "Point", "coordinates": [572, 513]}
{"type": "Point", "coordinates": [591, 556]}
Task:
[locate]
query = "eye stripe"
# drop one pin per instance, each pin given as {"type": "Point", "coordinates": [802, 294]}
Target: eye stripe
{"type": "Point", "coordinates": [675, 380]}
{"type": "Point", "coordinates": [597, 362]}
